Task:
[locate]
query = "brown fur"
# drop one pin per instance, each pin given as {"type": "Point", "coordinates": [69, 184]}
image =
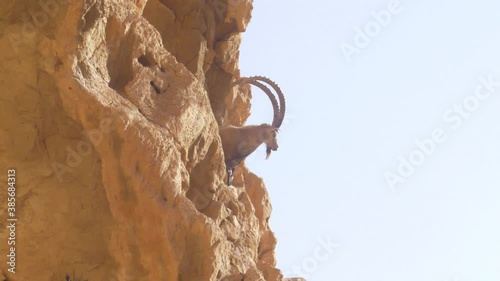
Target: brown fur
{"type": "Point", "coordinates": [239, 142]}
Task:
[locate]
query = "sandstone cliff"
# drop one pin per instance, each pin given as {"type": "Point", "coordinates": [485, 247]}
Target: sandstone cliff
{"type": "Point", "coordinates": [109, 114]}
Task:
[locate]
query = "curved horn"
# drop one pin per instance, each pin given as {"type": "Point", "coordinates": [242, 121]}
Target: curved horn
{"type": "Point", "coordinates": [281, 97]}
{"type": "Point", "coordinates": [268, 92]}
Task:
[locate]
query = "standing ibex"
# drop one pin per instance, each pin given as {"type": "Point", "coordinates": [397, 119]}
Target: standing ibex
{"type": "Point", "coordinates": [239, 142]}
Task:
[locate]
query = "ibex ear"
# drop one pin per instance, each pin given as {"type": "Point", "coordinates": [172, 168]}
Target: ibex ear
{"type": "Point", "coordinates": [268, 152]}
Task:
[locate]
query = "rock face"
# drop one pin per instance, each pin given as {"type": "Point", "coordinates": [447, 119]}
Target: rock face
{"type": "Point", "coordinates": [109, 115]}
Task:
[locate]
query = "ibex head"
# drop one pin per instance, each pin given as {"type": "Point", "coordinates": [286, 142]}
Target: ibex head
{"type": "Point", "coordinates": [279, 109]}
{"type": "Point", "coordinates": [270, 138]}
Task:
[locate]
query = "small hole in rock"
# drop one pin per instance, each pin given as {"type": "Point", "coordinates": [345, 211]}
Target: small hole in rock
{"type": "Point", "coordinates": [157, 90]}
{"type": "Point", "coordinates": [145, 61]}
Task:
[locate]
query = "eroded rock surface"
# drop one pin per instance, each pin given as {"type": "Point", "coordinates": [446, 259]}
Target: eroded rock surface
{"type": "Point", "coordinates": [109, 113]}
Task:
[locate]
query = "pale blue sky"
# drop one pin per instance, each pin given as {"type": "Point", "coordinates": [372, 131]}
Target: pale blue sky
{"type": "Point", "coordinates": [347, 123]}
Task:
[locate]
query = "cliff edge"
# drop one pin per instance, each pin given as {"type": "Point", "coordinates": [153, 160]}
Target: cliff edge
{"type": "Point", "coordinates": [109, 117]}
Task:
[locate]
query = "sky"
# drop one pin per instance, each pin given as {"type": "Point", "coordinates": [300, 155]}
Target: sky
{"type": "Point", "coordinates": [388, 166]}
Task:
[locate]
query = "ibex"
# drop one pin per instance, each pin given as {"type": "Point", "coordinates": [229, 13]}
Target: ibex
{"type": "Point", "coordinates": [239, 142]}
